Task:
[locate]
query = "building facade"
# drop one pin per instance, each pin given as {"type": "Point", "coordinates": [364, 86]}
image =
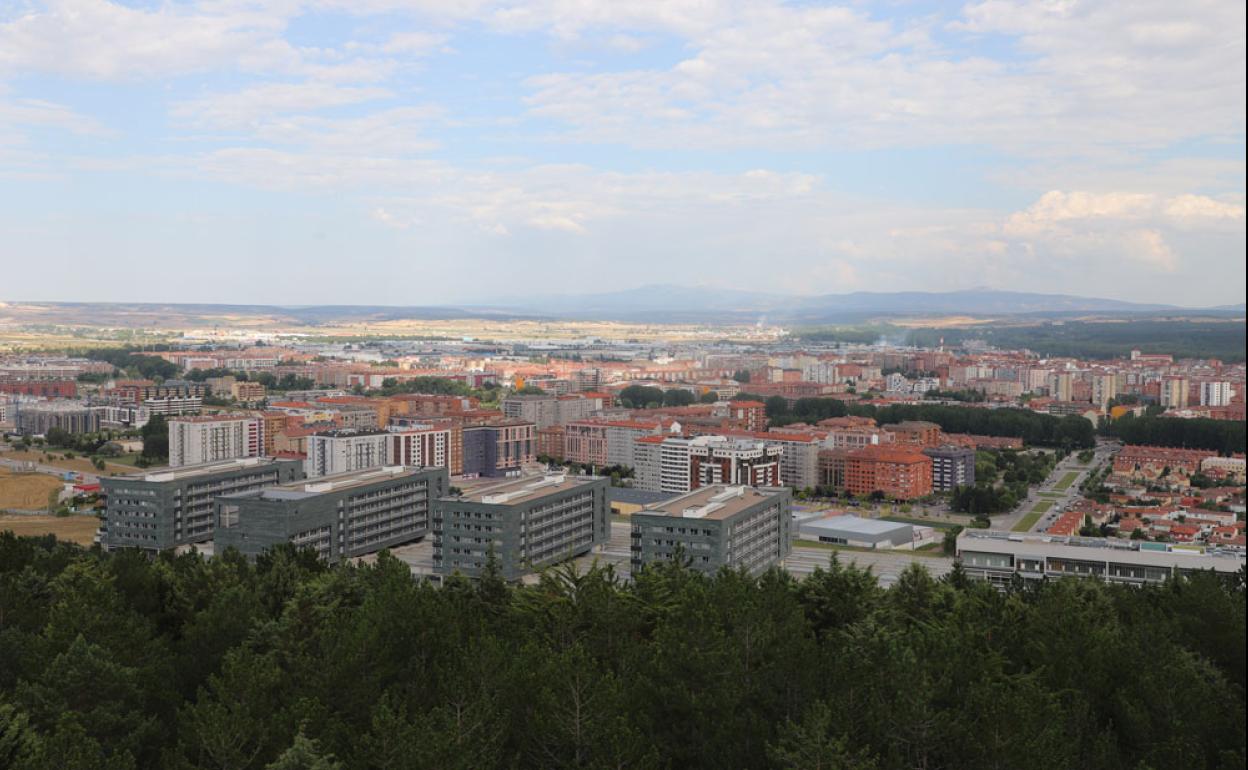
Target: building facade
{"type": "Point", "coordinates": [952, 466]}
{"type": "Point", "coordinates": [998, 557]}
{"type": "Point", "coordinates": [717, 526]}
{"type": "Point", "coordinates": [529, 523]}
{"type": "Point", "coordinates": [499, 449]}
{"type": "Point", "coordinates": [167, 509]}
{"type": "Point", "coordinates": [898, 472]}
{"type": "Point", "coordinates": [214, 438]}
{"type": "Point", "coordinates": [340, 516]}
{"type": "Point", "coordinates": [333, 452]}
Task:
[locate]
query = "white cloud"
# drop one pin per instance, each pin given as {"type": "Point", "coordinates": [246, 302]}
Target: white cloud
{"type": "Point", "coordinates": [245, 108]}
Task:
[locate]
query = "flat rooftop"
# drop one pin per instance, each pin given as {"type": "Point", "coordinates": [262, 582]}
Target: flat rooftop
{"type": "Point", "coordinates": [202, 469]}
{"type": "Point", "coordinates": [525, 489]}
{"type": "Point", "coordinates": [713, 502]}
{"type": "Point", "coordinates": [855, 524]}
{"type": "Point", "coordinates": [337, 482]}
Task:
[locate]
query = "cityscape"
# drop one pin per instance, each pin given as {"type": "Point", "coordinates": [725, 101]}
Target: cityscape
{"type": "Point", "coordinates": [559, 385]}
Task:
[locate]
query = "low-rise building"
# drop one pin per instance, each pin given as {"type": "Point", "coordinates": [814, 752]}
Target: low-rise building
{"type": "Point", "coordinates": [1000, 556]}
{"type": "Point", "coordinates": [717, 526]}
{"type": "Point", "coordinates": [858, 532]}
{"type": "Point", "coordinates": [529, 523]}
{"type": "Point", "coordinates": [339, 516]}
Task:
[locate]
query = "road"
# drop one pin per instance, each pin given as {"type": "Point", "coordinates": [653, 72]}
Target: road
{"type": "Point", "coordinates": [1048, 491]}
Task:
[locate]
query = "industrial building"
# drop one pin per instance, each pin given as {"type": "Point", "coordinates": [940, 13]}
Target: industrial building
{"type": "Point", "coordinates": [998, 557]}
{"type": "Point", "coordinates": [858, 532]}
{"type": "Point", "coordinates": [716, 526]}
{"type": "Point", "coordinates": [169, 508]}
{"type": "Point", "coordinates": [529, 522]}
{"type": "Point", "coordinates": [339, 516]}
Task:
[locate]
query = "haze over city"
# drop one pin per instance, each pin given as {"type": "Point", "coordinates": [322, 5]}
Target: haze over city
{"type": "Point", "coordinates": [406, 153]}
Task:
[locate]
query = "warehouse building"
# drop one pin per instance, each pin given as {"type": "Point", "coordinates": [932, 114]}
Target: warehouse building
{"type": "Point", "coordinates": [170, 508]}
{"type": "Point", "coordinates": [716, 526]}
{"type": "Point", "coordinates": [340, 516]}
{"type": "Point", "coordinates": [858, 532]}
{"type": "Point", "coordinates": [529, 522]}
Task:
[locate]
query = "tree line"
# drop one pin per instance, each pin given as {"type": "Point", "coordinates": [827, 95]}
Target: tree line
{"type": "Point", "coordinates": [1034, 428]}
{"type": "Point", "coordinates": [1222, 436]}
{"type": "Point", "coordinates": [125, 662]}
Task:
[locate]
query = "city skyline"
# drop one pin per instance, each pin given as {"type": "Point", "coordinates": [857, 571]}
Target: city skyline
{"type": "Point", "coordinates": [398, 153]}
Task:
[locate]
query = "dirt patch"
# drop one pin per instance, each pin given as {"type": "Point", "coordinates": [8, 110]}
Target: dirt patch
{"type": "Point", "coordinates": [74, 529]}
{"type": "Point", "coordinates": [28, 491]}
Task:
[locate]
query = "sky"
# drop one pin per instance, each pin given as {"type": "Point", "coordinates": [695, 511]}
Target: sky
{"type": "Point", "coordinates": [425, 152]}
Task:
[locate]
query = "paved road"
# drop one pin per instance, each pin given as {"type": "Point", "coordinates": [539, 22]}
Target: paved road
{"type": "Point", "coordinates": [1061, 499]}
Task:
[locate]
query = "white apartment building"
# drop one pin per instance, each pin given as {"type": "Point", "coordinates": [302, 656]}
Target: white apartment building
{"type": "Point", "coordinates": [214, 438]}
{"type": "Point", "coordinates": [345, 451]}
{"type": "Point", "coordinates": [1215, 393]}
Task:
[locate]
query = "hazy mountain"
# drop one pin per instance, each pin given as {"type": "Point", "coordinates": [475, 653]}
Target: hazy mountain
{"type": "Point", "coordinates": [686, 303]}
{"type": "Point", "coordinates": [658, 304]}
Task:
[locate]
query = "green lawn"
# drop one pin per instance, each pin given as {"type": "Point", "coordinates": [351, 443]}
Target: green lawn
{"type": "Point", "coordinates": [920, 521]}
{"type": "Point", "coordinates": [1053, 495]}
{"type": "Point", "coordinates": [1066, 481]}
{"type": "Point", "coordinates": [1027, 522]}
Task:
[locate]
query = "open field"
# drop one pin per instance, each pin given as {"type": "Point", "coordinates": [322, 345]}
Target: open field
{"type": "Point", "coordinates": [1066, 481]}
{"type": "Point", "coordinates": [75, 529]}
{"type": "Point", "coordinates": [1027, 522]}
{"type": "Point", "coordinates": [26, 491]}
{"type": "Point", "coordinates": [56, 459]}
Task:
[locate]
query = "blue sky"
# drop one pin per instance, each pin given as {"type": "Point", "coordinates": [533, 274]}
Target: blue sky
{"type": "Point", "coordinates": [421, 152]}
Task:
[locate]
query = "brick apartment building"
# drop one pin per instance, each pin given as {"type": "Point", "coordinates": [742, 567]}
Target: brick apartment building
{"type": "Point", "coordinates": [898, 472]}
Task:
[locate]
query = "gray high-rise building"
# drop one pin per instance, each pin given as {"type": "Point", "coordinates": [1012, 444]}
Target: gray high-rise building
{"type": "Point", "coordinates": [169, 508]}
{"type": "Point", "coordinates": [952, 466]}
{"type": "Point", "coordinates": [339, 516]}
{"type": "Point", "coordinates": [716, 526]}
{"type": "Point", "coordinates": [530, 522]}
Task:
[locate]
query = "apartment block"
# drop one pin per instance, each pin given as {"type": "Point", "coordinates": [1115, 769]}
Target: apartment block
{"type": "Point", "coordinates": [213, 438]}
{"type": "Point", "coordinates": [717, 526]}
{"type": "Point", "coordinates": [503, 448]}
{"type": "Point", "coordinates": [529, 523]}
{"type": "Point", "coordinates": [952, 466]}
{"type": "Point", "coordinates": [340, 516]}
{"type": "Point", "coordinates": [334, 452]}
{"type": "Point", "coordinates": [39, 417]}
{"type": "Point", "coordinates": [899, 472]}
{"type": "Point", "coordinates": [170, 508]}
{"type": "Point", "coordinates": [547, 410]}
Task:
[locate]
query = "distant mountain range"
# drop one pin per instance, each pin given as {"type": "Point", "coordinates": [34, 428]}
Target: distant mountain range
{"type": "Point", "coordinates": [657, 304]}
{"type": "Point", "coordinates": [690, 303]}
